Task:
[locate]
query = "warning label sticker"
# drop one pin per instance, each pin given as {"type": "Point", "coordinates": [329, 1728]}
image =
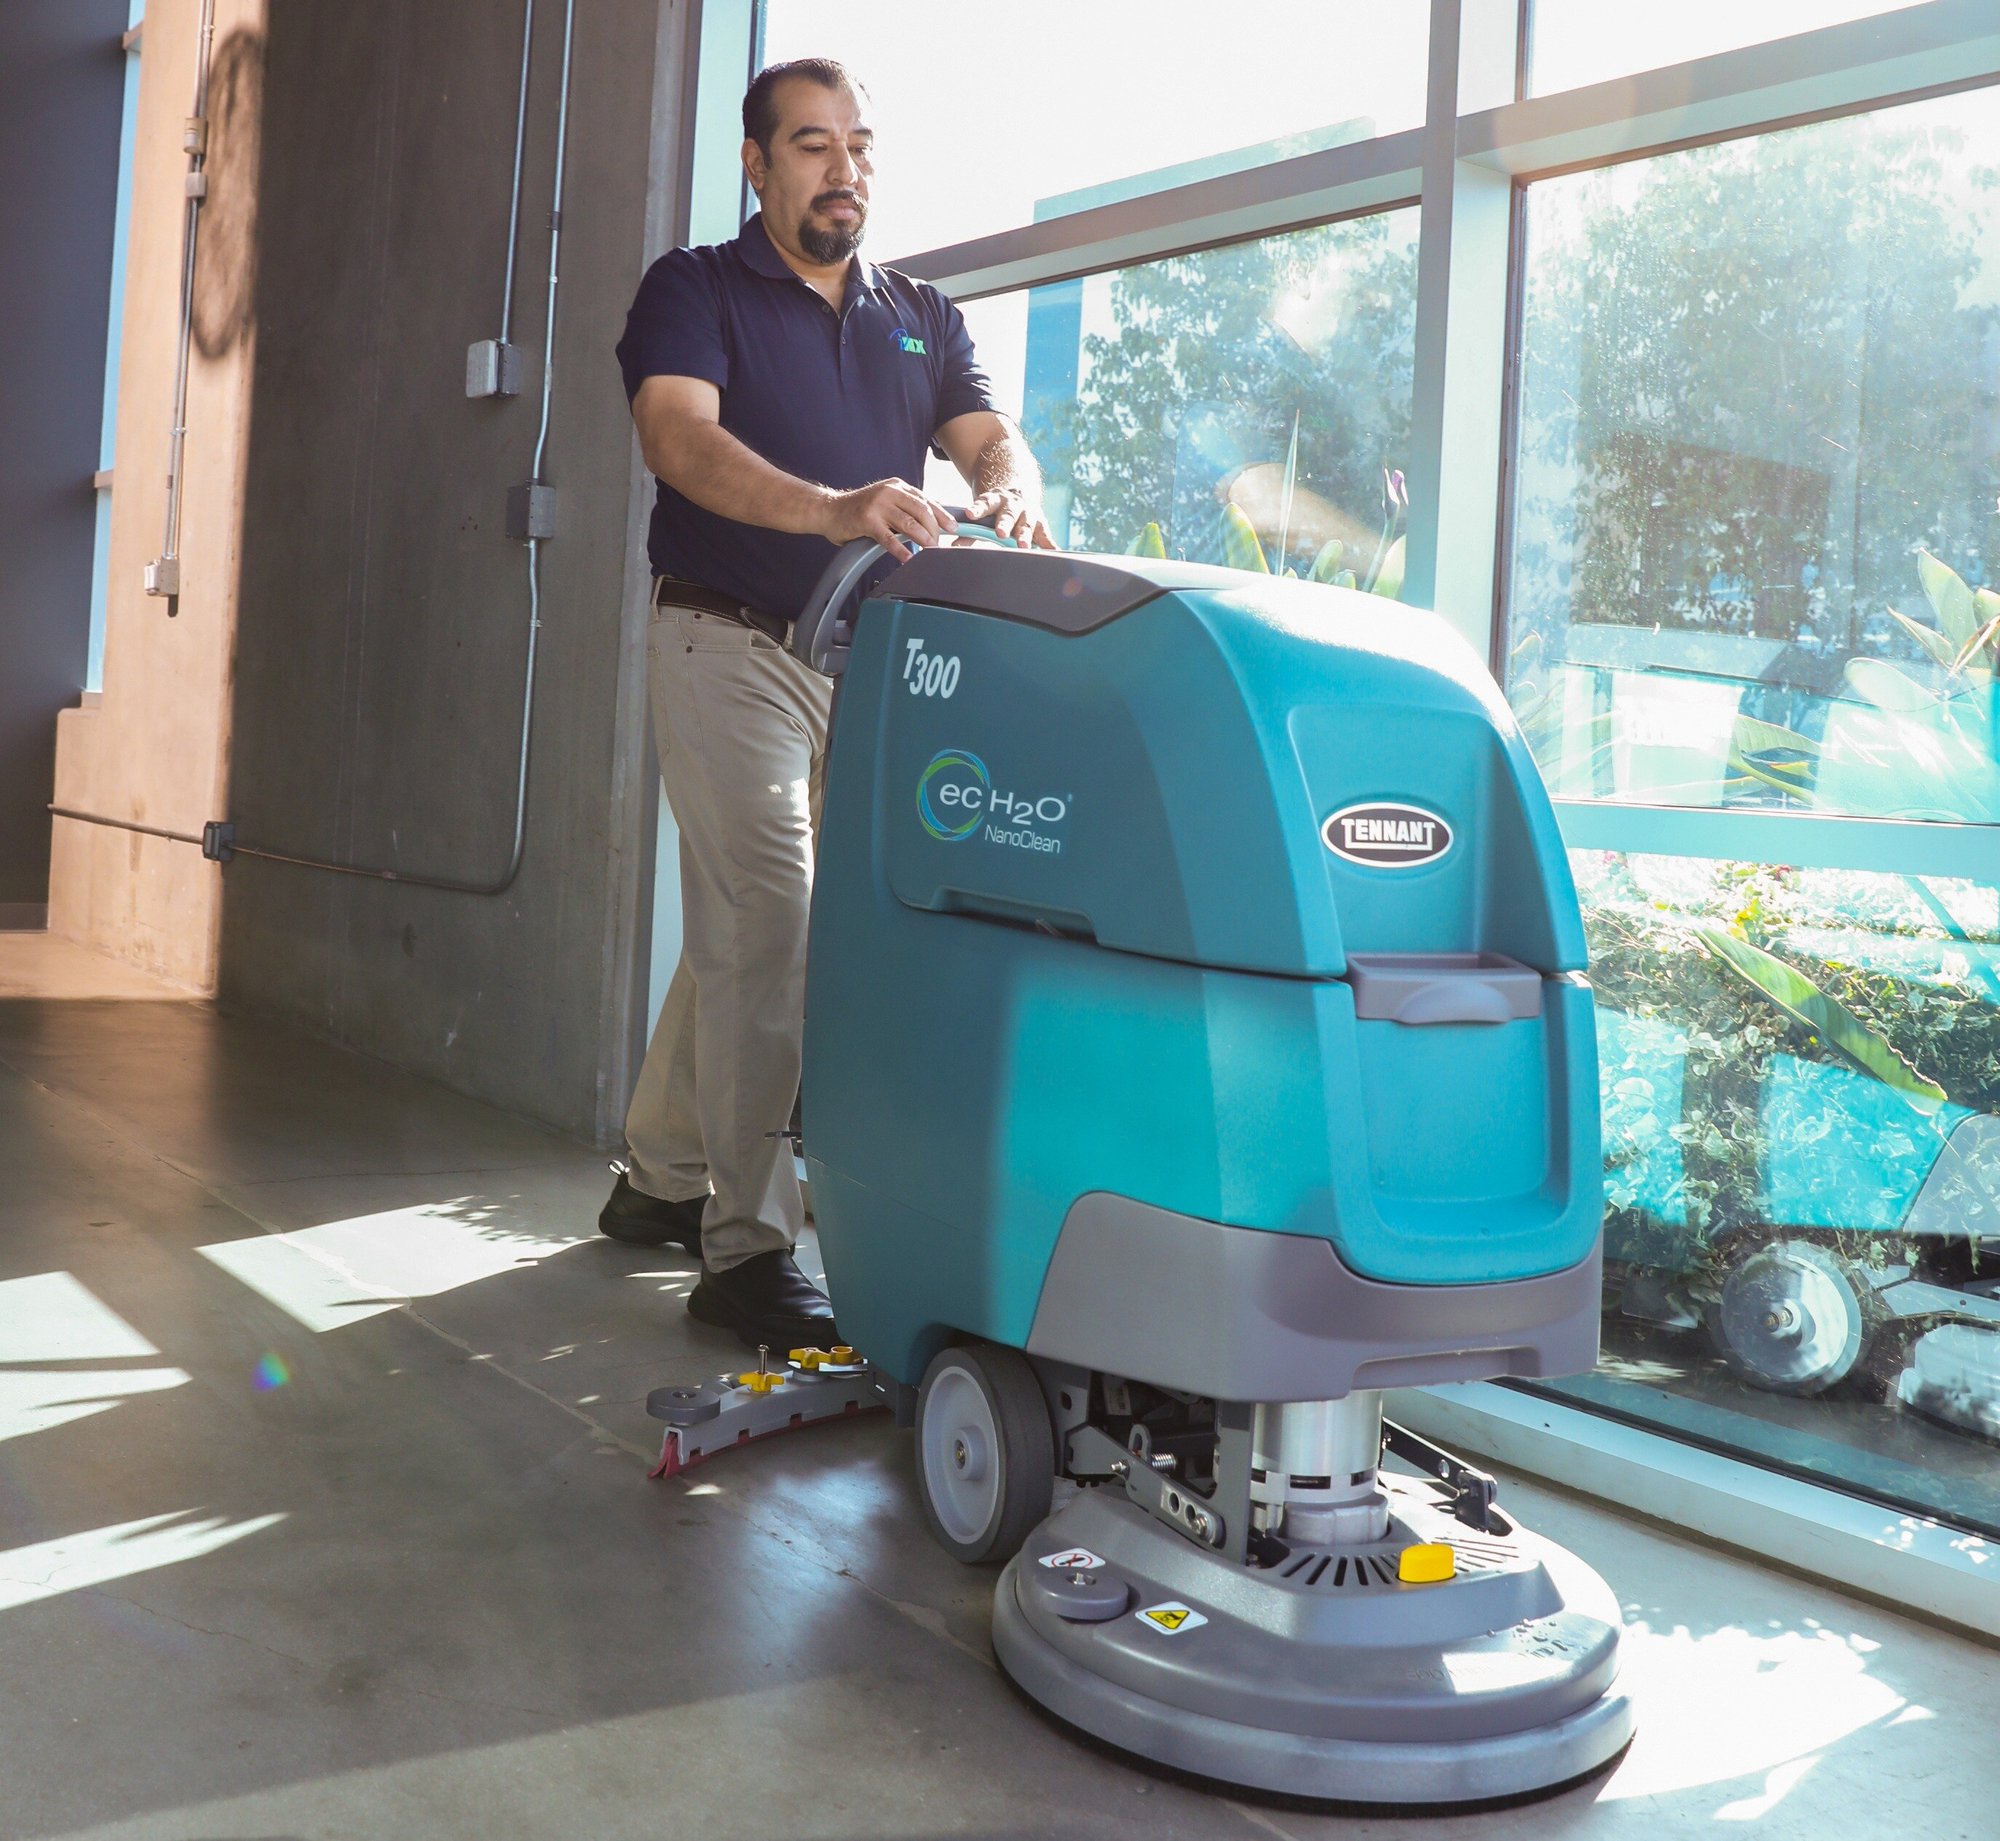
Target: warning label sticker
{"type": "Point", "coordinates": [1172, 1619]}
{"type": "Point", "coordinates": [1071, 1560]}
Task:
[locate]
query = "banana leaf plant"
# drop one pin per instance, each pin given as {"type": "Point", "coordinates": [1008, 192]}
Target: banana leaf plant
{"type": "Point", "coordinates": [1825, 1019]}
{"type": "Point", "coordinates": [1926, 749]}
{"type": "Point", "coordinates": [1242, 548]}
{"type": "Point", "coordinates": [1899, 747]}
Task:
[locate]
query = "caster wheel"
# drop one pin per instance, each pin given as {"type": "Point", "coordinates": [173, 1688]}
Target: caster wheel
{"type": "Point", "coordinates": [1793, 1318]}
{"type": "Point", "coordinates": [986, 1458]}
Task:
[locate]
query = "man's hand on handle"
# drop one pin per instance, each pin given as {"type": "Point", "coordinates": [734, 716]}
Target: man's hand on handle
{"type": "Point", "coordinates": [891, 511]}
{"type": "Point", "coordinates": [1011, 514]}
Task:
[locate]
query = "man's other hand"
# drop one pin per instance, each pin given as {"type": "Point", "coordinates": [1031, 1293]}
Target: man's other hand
{"type": "Point", "coordinates": [1009, 512]}
{"type": "Point", "coordinates": [891, 511]}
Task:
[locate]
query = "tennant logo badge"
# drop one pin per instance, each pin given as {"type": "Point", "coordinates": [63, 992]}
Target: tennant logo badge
{"type": "Point", "coordinates": [1387, 836]}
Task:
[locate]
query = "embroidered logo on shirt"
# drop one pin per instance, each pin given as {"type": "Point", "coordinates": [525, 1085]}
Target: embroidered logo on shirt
{"type": "Point", "coordinates": [915, 347]}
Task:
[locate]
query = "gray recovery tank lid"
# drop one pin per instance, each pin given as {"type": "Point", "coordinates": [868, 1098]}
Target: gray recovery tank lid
{"type": "Point", "coordinates": [1065, 594]}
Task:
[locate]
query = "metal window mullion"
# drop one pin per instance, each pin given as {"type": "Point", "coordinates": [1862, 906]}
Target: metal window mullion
{"type": "Point", "coordinates": [1798, 840]}
{"type": "Point", "coordinates": [1838, 70]}
{"type": "Point", "coordinates": [1312, 188]}
{"type": "Point", "coordinates": [1459, 383]}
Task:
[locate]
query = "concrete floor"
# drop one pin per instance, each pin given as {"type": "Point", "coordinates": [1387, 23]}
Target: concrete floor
{"type": "Point", "coordinates": [323, 1513]}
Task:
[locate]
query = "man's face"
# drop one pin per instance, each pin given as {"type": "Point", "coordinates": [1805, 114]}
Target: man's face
{"type": "Point", "coordinates": [814, 186]}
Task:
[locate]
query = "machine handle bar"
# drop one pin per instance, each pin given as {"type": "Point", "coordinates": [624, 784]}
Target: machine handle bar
{"type": "Point", "coordinates": [824, 629]}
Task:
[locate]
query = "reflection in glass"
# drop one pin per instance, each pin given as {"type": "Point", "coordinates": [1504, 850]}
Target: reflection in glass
{"type": "Point", "coordinates": [1755, 537]}
{"type": "Point", "coordinates": [1248, 406]}
{"type": "Point", "coordinates": [1573, 42]}
{"type": "Point", "coordinates": [1800, 1079]}
{"type": "Point", "coordinates": [985, 125]}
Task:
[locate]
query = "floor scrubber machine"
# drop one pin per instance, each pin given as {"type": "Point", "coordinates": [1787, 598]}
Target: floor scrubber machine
{"type": "Point", "coordinates": [1196, 1046]}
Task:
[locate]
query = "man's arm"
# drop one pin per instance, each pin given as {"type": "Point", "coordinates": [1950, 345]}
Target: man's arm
{"type": "Point", "coordinates": [685, 444]}
{"type": "Point", "coordinates": [1007, 485]}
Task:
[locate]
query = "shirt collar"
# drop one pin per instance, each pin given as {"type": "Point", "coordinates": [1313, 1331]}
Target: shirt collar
{"type": "Point", "coordinates": [754, 245]}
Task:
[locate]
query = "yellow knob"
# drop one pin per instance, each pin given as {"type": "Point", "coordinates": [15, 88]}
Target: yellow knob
{"type": "Point", "coordinates": [808, 1358]}
{"type": "Point", "coordinates": [760, 1383]}
{"type": "Point", "coordinates": [1426, 1564]}
{"type": "Point", "coordinates": [841, 1354]}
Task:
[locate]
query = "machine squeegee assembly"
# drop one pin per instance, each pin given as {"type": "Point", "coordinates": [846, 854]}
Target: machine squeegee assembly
{"type": "Point", "coordinates": [1197, 1045]}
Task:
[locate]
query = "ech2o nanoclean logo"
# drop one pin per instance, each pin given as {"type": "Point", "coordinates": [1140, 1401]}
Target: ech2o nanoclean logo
{"type": "Point", "coordinates": [956, 798]}
{"type": "Point", "coordinates": [960, 774]}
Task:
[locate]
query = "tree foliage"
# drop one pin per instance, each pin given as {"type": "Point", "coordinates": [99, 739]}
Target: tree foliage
{"type": "Point", "coordinates": [1755, 383]}
{"type": "Point", "coordinates": [1190, 402]}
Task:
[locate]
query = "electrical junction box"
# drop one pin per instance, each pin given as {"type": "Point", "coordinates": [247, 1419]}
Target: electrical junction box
{"type": "Point", "coordinates": [492, 368]}
{"type": "Point", "coordinates": [531, 511]}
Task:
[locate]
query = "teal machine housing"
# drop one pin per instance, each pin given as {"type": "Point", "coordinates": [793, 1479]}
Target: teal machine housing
{"type": "Point", "coordinates": [1196, 1046]}
{"type": "Point", "coordinates": [1196, 989]}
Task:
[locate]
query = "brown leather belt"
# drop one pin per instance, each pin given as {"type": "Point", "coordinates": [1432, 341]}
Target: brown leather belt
{"type": "Point", "coordinates": [672, 591]}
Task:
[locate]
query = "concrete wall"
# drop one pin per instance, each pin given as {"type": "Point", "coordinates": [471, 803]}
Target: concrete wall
{"type": "Point", "coordinates": [382, 618]}
{"type": "Point", "coordinates": [362, 699]}
{"type": "Point", "coordinates": [62, 77]}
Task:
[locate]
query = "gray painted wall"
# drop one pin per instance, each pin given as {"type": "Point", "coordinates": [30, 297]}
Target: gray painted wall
{"type": "Point", "coordinates": [383, 614]}
{"type": "Point", "coordinates": [62, 77]}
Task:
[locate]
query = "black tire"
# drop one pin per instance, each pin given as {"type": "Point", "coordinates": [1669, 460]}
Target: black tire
{"type": "Point", "coordinates": [986, 1452]}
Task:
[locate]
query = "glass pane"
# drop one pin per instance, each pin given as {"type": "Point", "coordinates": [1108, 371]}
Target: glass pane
{"type": "Point", "coordinates": [1584, 41]}
{"type": "Point", "coordinates": [1052, 106]}
{"type": "Point", "coordinates": [1800, 1078]}
{"type": "Point", "coordinates": [1245, 405]}
{"type": "Point", "coordinates": [1755, 519]}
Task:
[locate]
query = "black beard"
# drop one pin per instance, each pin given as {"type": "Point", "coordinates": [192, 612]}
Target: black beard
{"type": "Point", "coordinates": [830, 246]}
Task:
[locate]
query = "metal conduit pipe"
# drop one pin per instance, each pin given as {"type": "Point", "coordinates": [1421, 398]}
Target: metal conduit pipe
{"type": "Point", "coordinates": [520, 143]}
{"type": "Point", "coordinates": [163, 573]}
{"type": "Point", "coordinates": [124, 824]}
{"type": "Point", "coordinates": [220, 842]}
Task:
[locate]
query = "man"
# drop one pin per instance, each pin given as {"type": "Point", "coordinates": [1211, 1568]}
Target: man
{"type": "Point", "coordinates": [785, 392]}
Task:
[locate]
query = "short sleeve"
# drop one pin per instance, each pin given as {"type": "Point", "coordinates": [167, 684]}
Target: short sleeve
{"type": "Point", "coordinates": [674, 328]}
{"type": "Point", "coordinates": [963, 385]}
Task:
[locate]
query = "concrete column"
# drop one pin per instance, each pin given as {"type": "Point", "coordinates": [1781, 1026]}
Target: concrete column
{"type": "Point", "coordinates": [156, 749]}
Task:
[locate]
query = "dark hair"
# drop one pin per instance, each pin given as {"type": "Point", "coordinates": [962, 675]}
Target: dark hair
{"type": "Point", "coordinates": [760, 113]}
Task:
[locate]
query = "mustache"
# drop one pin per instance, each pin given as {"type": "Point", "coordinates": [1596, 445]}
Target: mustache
{"type": "Point", "coordinates": [841, 198]}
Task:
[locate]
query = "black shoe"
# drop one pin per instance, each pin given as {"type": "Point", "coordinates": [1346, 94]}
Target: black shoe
{"type": "Point", "coordinates": [766, 1299]}
{"type": "Point", "coordinates": [643, 1220]}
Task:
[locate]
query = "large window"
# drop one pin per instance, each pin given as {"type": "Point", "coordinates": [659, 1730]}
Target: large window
{"type": "Point", "coordinates": [1248, 405]}
{"type": "Point", "coordinates": [1759, 453]}
{"type": "Point", "coordinates": [1587, 41]}
{"type": "Point", "coordinates": [1800, 1078]}
{"type": "Point", "coordinates": [1755, 543]}
{"type": "Point", "coordinates": [984, 123]}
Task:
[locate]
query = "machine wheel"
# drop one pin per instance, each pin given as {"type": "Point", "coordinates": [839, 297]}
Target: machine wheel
{"type": "Point", "coordinates": [986, 1455]}
{"type": "Point", "coordinates": [1793, 1317]}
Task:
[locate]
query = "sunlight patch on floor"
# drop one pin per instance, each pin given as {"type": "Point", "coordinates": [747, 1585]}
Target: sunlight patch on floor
{"type": "Point", "coordinates": [52, 1318]}
{"type": "Point", "coordinates": [343, 1271]}
{"type": "Point", "coordinates": [1739, 1707]}
{"type": "Point", "coordinates": [96, 1556]}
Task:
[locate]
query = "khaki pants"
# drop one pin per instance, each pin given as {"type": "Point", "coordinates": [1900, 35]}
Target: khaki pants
{"type": "Point", "coordinates": [741, 727]}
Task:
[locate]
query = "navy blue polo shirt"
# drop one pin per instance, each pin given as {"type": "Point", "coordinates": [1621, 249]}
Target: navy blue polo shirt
{"type": "Point", "coordinates": [842, 398]}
